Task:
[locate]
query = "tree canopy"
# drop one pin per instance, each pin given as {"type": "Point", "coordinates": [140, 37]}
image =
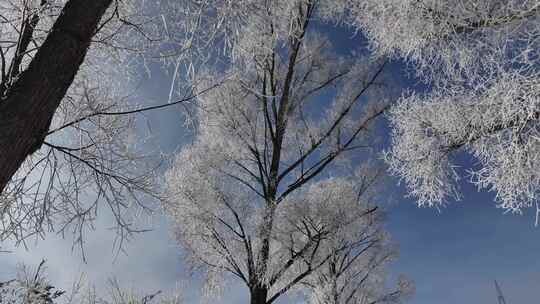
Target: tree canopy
{"type": "Point", "coordinates": [268, 190]}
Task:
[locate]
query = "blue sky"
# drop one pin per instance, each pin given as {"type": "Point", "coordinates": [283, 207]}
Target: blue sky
{"type": "Point", "coordinates": [452, 255]}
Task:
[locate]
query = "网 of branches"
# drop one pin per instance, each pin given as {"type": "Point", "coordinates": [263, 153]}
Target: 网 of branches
{"type": "Point", "coordinates": [68, 111]}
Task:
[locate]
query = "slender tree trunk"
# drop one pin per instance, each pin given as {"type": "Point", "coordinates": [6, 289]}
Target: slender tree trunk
{"type": "Point", "coordinates": [266, 234]}
{"type": "Point", "coordinates": [258, 294]}
{"type": "Point", "coordinates": [27, 108]}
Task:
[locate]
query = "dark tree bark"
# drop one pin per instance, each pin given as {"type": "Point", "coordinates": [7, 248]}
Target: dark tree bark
{"type": "Point", "coordinates": [258, 295]}
{"type": "Point", "coordinates": [27, 108]}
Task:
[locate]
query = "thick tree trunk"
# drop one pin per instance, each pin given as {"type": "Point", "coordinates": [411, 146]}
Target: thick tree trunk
{"type": "Point", "coordinates": [258, 295]}
{"type": "Point", "coordinates": [29, 105]}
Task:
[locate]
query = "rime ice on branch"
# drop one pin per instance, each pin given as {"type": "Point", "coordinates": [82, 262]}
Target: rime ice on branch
{"type": "Point", "coordinates": [482, 60]}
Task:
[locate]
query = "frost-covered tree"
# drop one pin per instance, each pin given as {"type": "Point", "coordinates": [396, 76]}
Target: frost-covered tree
{"type": "Point", "coordinates": [68, 141]}
{"type": "Point", "coordinates": [356, 275]}
{"type": "Point", "coordinates": [34, 287]}
{"type": "Point", "coordinates": [462, 41]}
{"type": "Point", "coordinates": [272, 179]}
{"type": "Point", "coordinates": [481, 60]}
{"type": "Point", "coordinates": [29, 288]}
{"type": "Point", "coordinates": [114, 293]}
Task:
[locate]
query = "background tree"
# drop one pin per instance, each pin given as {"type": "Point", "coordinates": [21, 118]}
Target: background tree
{"type": "Point", "coordinates": [119, 295]}
{"type": "Point", "coordinates": [357, 256]}
{"type": "Point", "coordinates": [356, 274]}
{"type": "Point", "coordinates": [34, 287]}
{"type": "Point", "coordinates": [29, 288]}
{"type": "Point", "coordinates": [269, 180]}
{"type": "Point", "coordinates": [481, 61]}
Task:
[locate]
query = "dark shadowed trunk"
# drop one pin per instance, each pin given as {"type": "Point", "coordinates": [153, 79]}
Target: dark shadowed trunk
{"type": "Point", "coordinates": [258, 294]}
{"type": "Point", "coordinates": [27, 108]}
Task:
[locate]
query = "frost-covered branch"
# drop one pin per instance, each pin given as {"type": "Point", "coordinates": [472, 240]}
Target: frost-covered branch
{"type": "Point", "coordinates": [480, 60]}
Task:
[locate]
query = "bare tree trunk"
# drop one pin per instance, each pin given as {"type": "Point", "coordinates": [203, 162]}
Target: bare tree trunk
{"type": "Point", "coordinates": [258, 294]}
{"type": "Point", "coordinates": [27, 108]}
